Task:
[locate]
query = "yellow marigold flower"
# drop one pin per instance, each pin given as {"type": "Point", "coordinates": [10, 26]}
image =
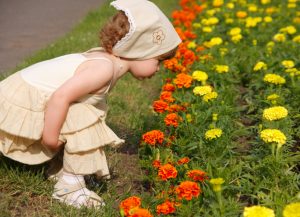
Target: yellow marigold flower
{"type": "Point", "coordinates": [188, 118]}
{"type": "Point", "coordinates": [199, 75]}
{"type": "Point", "coordinates": [223, 51]}
{"type": "Point", "coordinates": [272, 97]}
{"type": "Point", "coordinates": [296, 39]}
{"type": "Point", "coordinates": [279, 37]}
{"type": "Point", "coordinates": [296, 20]}
{"type": "Point", "coordinates": [216, 183]}
{"type": "Point", "coordinates": [213, 21]}
{"type": "Point", "coordinates": [221, 68]}
{"type": "Point", "coordinates": [210, 96]}
{"type": "Point", "coordinates": [275, 113]}
{"type": "Point", "coordinates": [217, 3]}
{"type": "Point", "coordinates": [270, 44]}
{"type": "Point", "coordinates": [254, 42]}
{"type": "Point", "coordinates": [260, 66]}
{"type": "Point", "coordinates": [235, 31]}
{"type": "Point", "coordinates": [291, 71]}
{"type": "Point", "coordinates": [264, 2]}
{"type": "Point", "coordinates": [229, 20]}
{"type": "Point", "coordinates": [230, 5]}
{"type": "Point", "coordinates": [273, 136]}
{"type": "Point", "coordinates": [211, 12]}
{"type": "Point", "coordinates": [213, 42]}
{"type": "Point", "coordinates": [215, 117]}
{"type": "Point", "coordinates": [252, 8]}
{"type": "Point", "coordinates": [292, 210]}
{"type": "Point", "coordinates": [271, 10]}
{"type": "Point", "coordinates": [202, 90]}
{"type": "Point", "coordinates": [268, 19]}
{"type": "Point", "coordinates": [236, 38]}
{"type": "Point", "coordinates": [288, 63]}
{"type": "Point", "coordinates": [291, 5]}
{"type": "Point", "coordinates": [196, 25]}
{"type": "Point", "coordinates": [258, 211]}
{"type": "Point", "coordinates": [251, 22]}
{"type": "Point", "coordinates": [207, 29]}
{"type": "Point", "coordinates": [192, 45]}
{"type": "Point", "coordinates": [289, 30]}
{"type": "Point", "coordinates": [241, 14]}
{"type": "Point", "coordinates": [274, 79]}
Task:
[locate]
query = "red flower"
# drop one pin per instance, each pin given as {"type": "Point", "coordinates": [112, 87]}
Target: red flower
{"type": "Point", "coordinates": [165, 208]}
{"type": "Point", "coordinates": [156, 163]}
{"type": "Point", "coordinates": [167, 96]}
{"type": "Point", "coordinates": [167, 171]}
{"type": "Point", "coordinates": [153, 137]}
{"type": "Point", "coordinates": [172, 119]}
{"type": "Point", "coordinates": [168, 87]}
{"type": "Point", "coordinates": [140, 212]}
{"type": "Point", "coordinates": [197, 175]}
{"type": "Point", "coordinates": [183, 80]}
{"type": "Point", "coordinates": [130, 203]}
{"type": "Point", "coordinates": [160, 106]}
{"type": "Point", "coordinates": [188, 190]}
{"type": "Point", "coordinates": [184, 160]}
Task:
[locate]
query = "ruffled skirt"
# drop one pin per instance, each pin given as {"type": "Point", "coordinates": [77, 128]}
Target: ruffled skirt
{"type": "Point", "coordinates": [21, 125]}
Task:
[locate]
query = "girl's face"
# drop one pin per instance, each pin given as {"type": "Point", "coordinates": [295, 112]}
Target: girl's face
{"type": "Point", "coordinates": [142, 69]}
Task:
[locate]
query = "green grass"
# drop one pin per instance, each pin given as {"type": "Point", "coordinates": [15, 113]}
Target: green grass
{"type": "Point", "coordinates": [24, 189]}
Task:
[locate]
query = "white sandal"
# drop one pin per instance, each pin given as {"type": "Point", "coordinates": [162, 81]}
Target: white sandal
{"type": "Point", "coordinates": [65, 193]}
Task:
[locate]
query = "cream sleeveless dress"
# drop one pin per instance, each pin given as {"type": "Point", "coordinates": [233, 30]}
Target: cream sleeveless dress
{"type": "Point", "coordinates": [23, 98]}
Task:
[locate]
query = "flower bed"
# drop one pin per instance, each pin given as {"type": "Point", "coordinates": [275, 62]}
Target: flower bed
{"type": "Point", "coordinates": [228, 132]}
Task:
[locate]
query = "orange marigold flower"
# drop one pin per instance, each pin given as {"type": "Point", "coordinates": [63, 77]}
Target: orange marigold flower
{"type": "Point", "coordinates": [184, 160]}
{"type": "Point", "coordinates": [153, 137]}
{"type": "Point", "coordinates": [160, 106]}
{"type": "Point", "coordinates": [140, 212]}
{"type": "Point", "coordinates": [165, 208]}
{"type": "Point", "coordinates": [188, 190]}
{"type": "Point", "coordinates": [172, 119]}
{"type": "Point", "coordinates": [130, 203]}
{"type": "Point", "coordinates": [183, 80]}
{"type": "Point", "coordinates": [175, 108]}
{"type": "Point", "coordinates": [197, 175]}
{"type": "Point", "coordinates": [167, 171]}
{"type": "Point", "coordinates": [167, 96]}
{"type": "Point", "coordinates": [169, 87]}
{"type": "Point", "coordinates": [156, 163]}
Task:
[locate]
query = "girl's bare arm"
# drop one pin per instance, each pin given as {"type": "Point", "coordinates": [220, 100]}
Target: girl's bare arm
{"type": "Point", "coordinates": [90, 76]}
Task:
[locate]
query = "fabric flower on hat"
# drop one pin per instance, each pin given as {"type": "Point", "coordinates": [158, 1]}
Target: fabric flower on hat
{"type": "Point", "coordinates": [158, 36]}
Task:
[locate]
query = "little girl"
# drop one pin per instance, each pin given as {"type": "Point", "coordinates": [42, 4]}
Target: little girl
{"type": "Point", "coordinates": [60, 103]}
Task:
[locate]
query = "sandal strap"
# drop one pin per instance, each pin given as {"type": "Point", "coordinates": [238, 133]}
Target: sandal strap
{"type": "Point", "coordinates": [62, 189]}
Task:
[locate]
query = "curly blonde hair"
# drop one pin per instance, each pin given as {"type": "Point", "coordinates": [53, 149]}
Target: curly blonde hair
{"type": "Point", "coordinates": [113, 31]}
